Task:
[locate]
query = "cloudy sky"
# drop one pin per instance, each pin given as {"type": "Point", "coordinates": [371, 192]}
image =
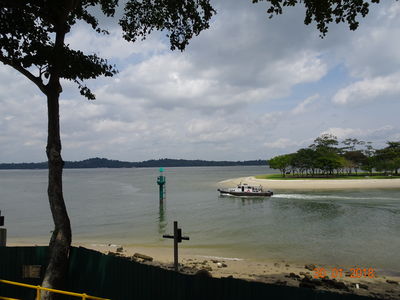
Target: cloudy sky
{"type": "Point", "coordinates": [250, 87]}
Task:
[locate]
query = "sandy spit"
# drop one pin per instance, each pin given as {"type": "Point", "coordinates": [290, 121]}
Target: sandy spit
{"type": "Point", "coordinates": [319, 184]}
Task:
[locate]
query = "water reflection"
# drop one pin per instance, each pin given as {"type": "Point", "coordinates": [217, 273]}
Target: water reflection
{"type": "Point", "coordinates": [162, 223]}
{"type": "Point", "coordinates": [244, 200]}
{"type": "Point", "coordinates": [318, 209]}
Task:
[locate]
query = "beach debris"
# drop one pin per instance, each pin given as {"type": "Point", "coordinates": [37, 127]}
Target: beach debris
{"type": "Point", "coordinates": [221, 265]}
{"type": "Point", "coordinates": [142, 256]}
{"type": "Point", "coordinates": [333, 283]}
{"type": "Point", "coordinates": [293, 275]}
{"type": "Point", "coordinates": [203, 273]}
{"type": "Point", "coordinates": [120, 249]}
{"type": "Point", "coordinates": [310, 267]}
{"type": "Point", "coordinates": [308, 276]}
{"type": "Point", "coordinates": [392, 281]}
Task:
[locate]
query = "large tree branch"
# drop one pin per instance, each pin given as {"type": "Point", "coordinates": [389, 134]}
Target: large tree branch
{"type": "Point", "coordinates": [36, 80]}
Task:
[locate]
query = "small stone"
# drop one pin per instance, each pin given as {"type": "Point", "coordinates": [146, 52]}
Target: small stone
{"type": "Point", "coordinates": [203, 273]}
{"type": "Point", "coordinates": [224, 265]}
{"type": "Point", "coordinates": [392, 281]}
{"type": "Point", "coordinates": [310, 267]}
{"type": "Point", "coordinates": [142, 256]}
{"type": "Point", "coordinates": [287, 265]}
{"type": "Point", "coordinates": [308, 285]}
{"type": "Point", "coordinates": [120, 249]}
{"type": "Point", "coordinates": [292, 275]}
{"type": "Point", "coordinates": [316, 282]}
{"type": "Point", "coordinates": [277, 265]}
{"type": "Point", "coordinates": [308, 276]}
{"type": "Point", "coordinates": [214, 261]}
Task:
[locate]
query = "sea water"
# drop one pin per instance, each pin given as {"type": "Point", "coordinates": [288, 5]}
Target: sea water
{"type": "Point", "coordinates": [121, 206]}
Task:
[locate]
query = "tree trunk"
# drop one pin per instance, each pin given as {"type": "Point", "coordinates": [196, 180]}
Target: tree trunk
{"type": "Point", "coordinates": [60, 242]}
{"type": "Point", "coordinates": [61, 238]}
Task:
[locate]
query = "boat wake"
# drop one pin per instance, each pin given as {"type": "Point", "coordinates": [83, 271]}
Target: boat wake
{"type": "Point", "coordinates": [328, 197]}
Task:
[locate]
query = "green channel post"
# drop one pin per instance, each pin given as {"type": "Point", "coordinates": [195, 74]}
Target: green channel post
{"type": "Point", "coordinates": [161, 184]}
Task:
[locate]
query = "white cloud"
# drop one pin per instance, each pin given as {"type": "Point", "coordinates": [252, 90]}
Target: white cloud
{"type": "Point", "coordinates": [366, 90]}
{"type": "Point", "coordinates": [374, 133]}
{"type": "Point", "coordinates": [304, 106]}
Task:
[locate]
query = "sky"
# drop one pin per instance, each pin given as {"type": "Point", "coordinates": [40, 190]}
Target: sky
{"type": "Point", "coordinates": [247, 88]}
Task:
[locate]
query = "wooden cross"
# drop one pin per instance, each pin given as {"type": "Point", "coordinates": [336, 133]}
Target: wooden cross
{"type": "Point", "coordinates": [177, 239]}
{"type": "Point", "coordinates": [1, 219]}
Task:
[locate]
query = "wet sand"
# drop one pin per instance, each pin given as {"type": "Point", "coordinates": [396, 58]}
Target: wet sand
{"type": "Point", "coordinates": [314, 184]}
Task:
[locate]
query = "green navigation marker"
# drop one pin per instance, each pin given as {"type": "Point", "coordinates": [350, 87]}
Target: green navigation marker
{"type": "Point", "coordinates": [161, 183]}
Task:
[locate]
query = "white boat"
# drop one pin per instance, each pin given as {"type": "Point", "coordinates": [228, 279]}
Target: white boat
{"type": "Point", "coordinates": [243, 189]}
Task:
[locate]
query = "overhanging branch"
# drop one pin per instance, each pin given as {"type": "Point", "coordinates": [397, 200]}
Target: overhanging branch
{"type": "Point", "coordinates": [23, 71]}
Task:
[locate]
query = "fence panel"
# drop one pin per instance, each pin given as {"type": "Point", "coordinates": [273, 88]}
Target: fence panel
{"type": "Point", "coordinates": [12, 260]}
{"type": "Point", "coordinates": [118, 278]}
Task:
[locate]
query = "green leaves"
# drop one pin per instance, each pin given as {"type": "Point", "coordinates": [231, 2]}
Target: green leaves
{"type": "Point", "coordinates": [323, 12]}
{"type": "Point", "coordinates": [181, 19]}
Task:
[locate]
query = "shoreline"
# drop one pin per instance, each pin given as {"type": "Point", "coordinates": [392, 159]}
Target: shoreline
{"type": "Point", "coordinates": [309, 184]}
{"type": "Point", "coordinates": [278, 272]}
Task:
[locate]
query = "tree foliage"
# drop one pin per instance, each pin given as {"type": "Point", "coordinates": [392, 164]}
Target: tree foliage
{"type": "Point", "coordinates": [324, 12]}
{"type": "Point", "coordinates": [326, 158]}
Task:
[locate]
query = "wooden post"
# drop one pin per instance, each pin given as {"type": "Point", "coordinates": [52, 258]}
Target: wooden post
{"type": "Point", "coordinates": [177, 239]}
{"type": "Point", "coordinates": [176, 245]}
{"type": "Point", "coordinates": [3, 232]}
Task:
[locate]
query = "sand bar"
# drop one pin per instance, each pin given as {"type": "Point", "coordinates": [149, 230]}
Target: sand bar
{"type": "Point", "coordinates": [314, 184]}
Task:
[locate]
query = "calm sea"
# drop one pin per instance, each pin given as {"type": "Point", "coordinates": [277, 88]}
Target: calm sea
{"type": "Point", "coordinates": [120, 206]}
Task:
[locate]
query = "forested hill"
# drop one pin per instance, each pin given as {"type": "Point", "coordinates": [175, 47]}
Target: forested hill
{"type": "Point", "coordinates": [108, 163]}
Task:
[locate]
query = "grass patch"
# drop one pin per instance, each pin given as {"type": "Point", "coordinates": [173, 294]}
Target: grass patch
{"type": "Point", "coordinates": [320, 177]}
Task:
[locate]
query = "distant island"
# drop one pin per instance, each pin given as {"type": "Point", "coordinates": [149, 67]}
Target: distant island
{"type": "Point", "coordinates": [152, 163]}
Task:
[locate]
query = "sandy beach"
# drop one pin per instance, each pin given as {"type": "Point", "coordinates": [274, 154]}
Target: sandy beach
{"type": "Point", "coordinates": [317, 184]}
{"type": "Point", "coordinates": [382, 285]}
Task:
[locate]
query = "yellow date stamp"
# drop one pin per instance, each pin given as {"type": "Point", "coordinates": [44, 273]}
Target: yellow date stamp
{"type": "Point", "coordinates": [340, 273]}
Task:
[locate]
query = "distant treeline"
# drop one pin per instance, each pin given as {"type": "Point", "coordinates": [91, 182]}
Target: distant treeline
{"type": "Point", "coordinates": [327, 156]}
{"type": "Point", "coordinates": [108, 163]}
